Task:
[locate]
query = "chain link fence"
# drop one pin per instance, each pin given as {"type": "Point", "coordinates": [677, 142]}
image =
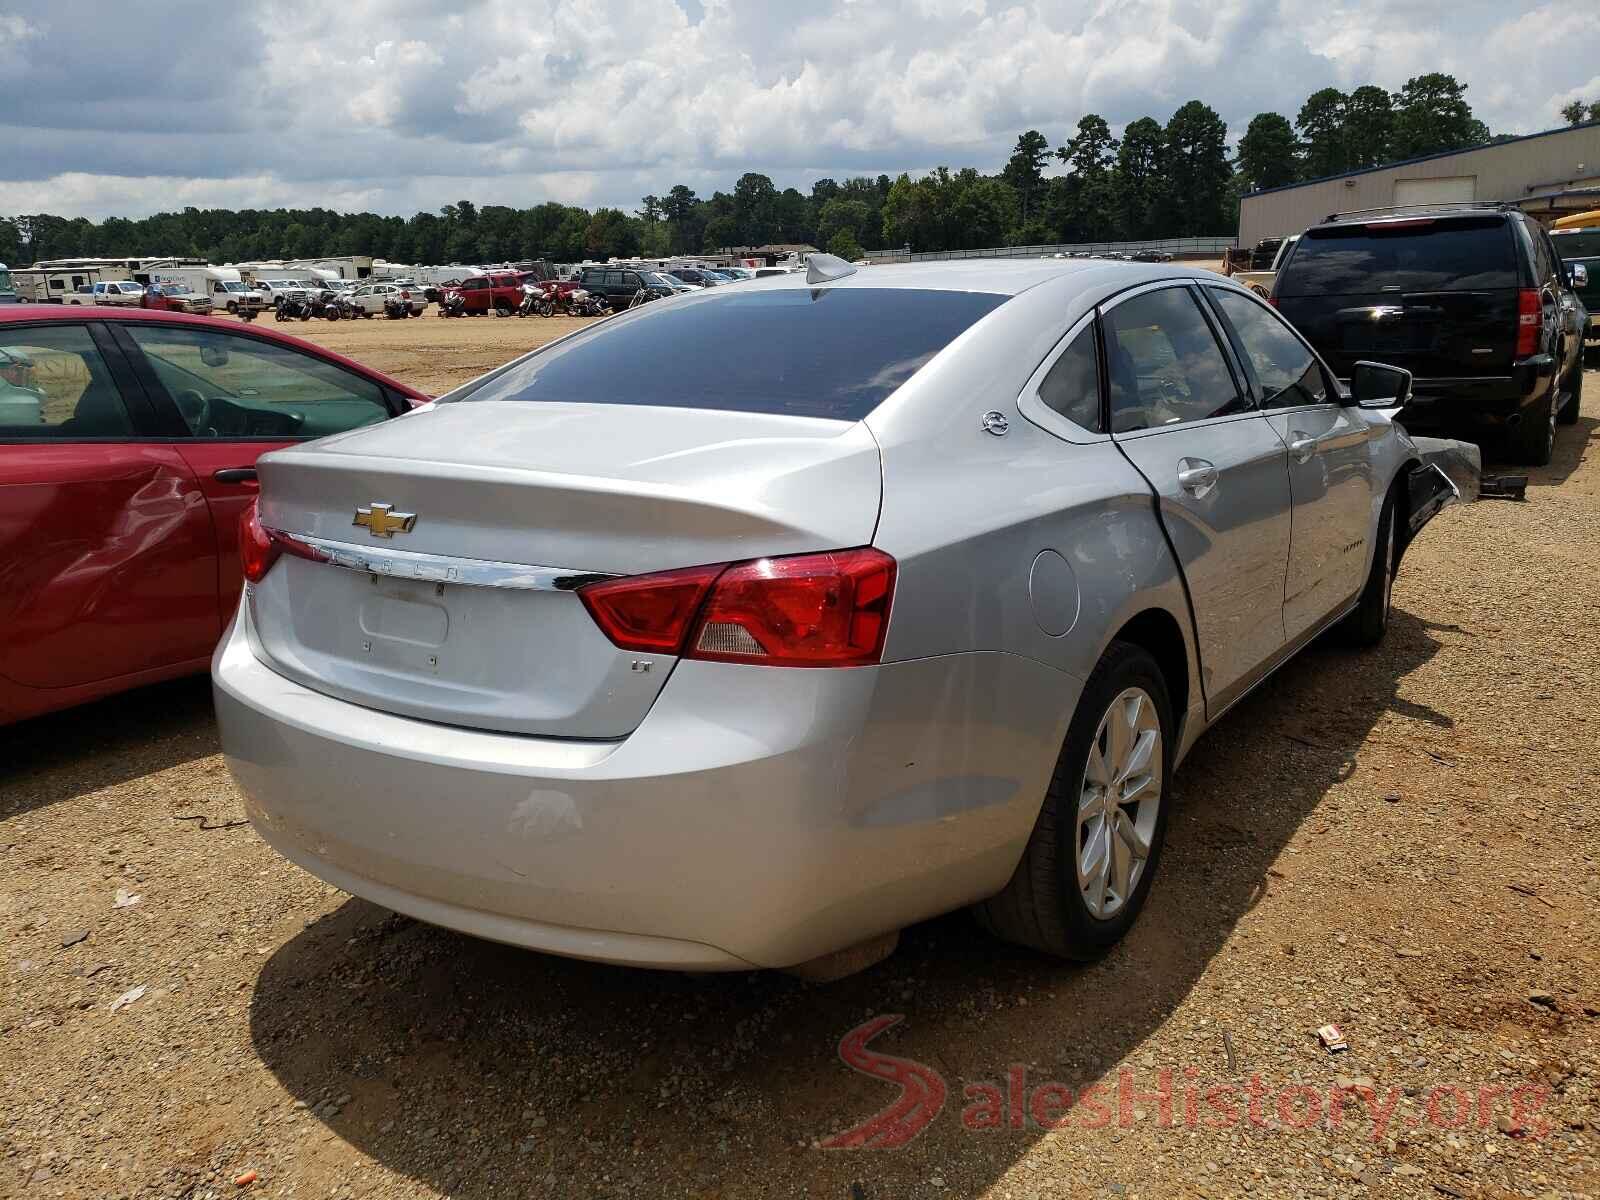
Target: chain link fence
{"type": "Point", "coordinates": [1187, 247]}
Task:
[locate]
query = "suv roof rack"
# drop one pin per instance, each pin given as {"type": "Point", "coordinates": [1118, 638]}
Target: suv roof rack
{"type": "Point", "coordinates": [1437, 206]}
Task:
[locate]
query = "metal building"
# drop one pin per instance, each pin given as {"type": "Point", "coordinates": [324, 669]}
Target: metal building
{"type": "Point", "coordinates": [1548, 174]}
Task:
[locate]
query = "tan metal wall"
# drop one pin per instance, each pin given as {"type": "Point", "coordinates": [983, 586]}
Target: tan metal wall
{"type": "Point", "coordinates": [1509, 171]}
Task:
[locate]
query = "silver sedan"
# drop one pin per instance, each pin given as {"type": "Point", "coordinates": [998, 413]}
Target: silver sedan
{"type": "Point", "coordinates": [747, 630]}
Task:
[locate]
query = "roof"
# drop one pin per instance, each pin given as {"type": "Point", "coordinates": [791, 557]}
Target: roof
{"type": "Point", "coordinates": [1406, 162]}
{"type": "Point", "coordinates": [1001, 276]}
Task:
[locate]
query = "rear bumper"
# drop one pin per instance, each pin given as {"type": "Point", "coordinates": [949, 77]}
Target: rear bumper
{"type": "Point", "coordinates": [1478, 402]}
{"type": "Point", "coordinates": [757, 817]}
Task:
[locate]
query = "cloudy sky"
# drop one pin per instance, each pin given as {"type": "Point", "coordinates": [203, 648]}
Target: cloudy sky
{"type": "Point", "coordinates": [131, 106]}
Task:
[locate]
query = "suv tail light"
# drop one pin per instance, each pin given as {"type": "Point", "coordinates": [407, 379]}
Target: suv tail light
{"type": "Point", "coordinates": [1527, 322]}
{"type": "Point", "coordinates": [805, 610]}
{"type": "Point", "coordinates": [260, 547]}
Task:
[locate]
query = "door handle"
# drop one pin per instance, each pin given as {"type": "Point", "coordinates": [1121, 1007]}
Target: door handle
{"type": "Point", "coordinates": [1301, 445]}
{"type": "Point", "coordinates": [1196, 476]}
{"type": "Point", "coordinates": [235, 475]}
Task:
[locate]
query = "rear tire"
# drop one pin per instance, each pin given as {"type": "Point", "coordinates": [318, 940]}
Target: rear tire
{"type": "Point", "coordinates": [1370, 620]}
{"type": "Point", "coordinates": [1045, 906]}
{"type": "Point", "coordinates": [1533, 439]}
{"type": "Point", "coordinates": [1569, 414]}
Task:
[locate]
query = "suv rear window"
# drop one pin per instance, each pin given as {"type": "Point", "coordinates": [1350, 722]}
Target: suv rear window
{"type": "Point", "coordinates": [1460, 255]}
{"type": "Point", "coordinates": [834, 353]}
{"type": "Point", "coordinates": [1583, 244]}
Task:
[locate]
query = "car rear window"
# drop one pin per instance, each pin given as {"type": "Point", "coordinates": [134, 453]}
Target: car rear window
{"type": "Point", "coordinates": [1409, 256]}
{"type": "Point", "coordinates": [831, 352]}
{"type": "Point", "coordinates": [1585, 244]}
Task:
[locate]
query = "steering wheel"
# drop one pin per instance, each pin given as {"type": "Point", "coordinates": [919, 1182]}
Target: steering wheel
{"type": "Point", "coordinates": [196, 410]}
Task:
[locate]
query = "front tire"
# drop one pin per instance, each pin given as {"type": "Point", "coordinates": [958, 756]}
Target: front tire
{"type": "Point", "coordinates": [1093, 853]}
{"type": "Point", "coordinates": [1370, 621]}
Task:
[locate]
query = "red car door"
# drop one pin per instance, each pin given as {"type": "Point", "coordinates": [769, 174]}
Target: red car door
{"type": "Point", "coordinates": [230, 396]}
{"type": "Point", "coordinates": [108, 557]}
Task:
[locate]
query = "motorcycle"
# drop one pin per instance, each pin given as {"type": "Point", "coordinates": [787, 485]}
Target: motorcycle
{"type": "Point", "coordinates": [339, 308]}
{"type": "Point", "coordinates": [395, 308]}
{"type": "Point", "coordinates": [452, 304]}
{"type": "Point", "coordinates": [581, 303]}
{"type": "Point", "coordinates": [533, 301]}
{"type": "Point", "coordinates": [295, 307]}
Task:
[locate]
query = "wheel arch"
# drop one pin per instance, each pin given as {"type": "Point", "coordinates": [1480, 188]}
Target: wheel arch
{"type": "Point", "coordinates": [1159, 633]}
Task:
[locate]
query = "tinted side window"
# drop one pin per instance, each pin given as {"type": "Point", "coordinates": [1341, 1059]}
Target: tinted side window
{"type": "Point", "coordinates": [1164, 364]}
{"type": "Point", "coordinates": [54, 384]}
{"type": "Point", "coordinates": [1072, 385]}
{"type": "Point", "coordinates": [1287, 372]}
{"type": "Point", "coordinates": [631, 279]}
{"type": "Point", "coordinates": [226, 386]}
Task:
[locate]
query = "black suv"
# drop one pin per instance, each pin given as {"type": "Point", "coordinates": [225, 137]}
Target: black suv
{"type": "Point", "coordinates": [1468, 298]}
{"type": "Point", "coordinates": [618, 284]}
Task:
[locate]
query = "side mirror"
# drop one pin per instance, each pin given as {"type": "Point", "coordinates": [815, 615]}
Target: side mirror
{"type": "Point", "coordinates": [1580, 275]}
{"type": "Point", "coordinates": [214, 356]}
{"type": "Point", "coordinates": [1377, 385]}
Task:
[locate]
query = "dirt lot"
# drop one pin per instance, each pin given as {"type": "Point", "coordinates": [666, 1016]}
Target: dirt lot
{"type": "Point", "coordinates": [1402, 842]}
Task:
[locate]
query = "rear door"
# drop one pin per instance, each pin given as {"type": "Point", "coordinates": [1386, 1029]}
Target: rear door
{"type": "Point", "coordinates": [1219, 471]}
{"type": "Point", "coordinates": [1435, 295]}
{"type": "Point", "coordinates": [1331, 478]}
{"type": "Point", "coordinates": [108, 559]}
{"type": "Point", "coordinates": [226, 398]}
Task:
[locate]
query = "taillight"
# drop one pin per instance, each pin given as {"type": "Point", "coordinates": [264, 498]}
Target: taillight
{"type": "Point", "coordinates": [1527, 322]}
{"type": "Point", "coordinates": [257, 550]}
{"type": "Point", "coordinates": [805, 610]}
{"type": "Point", "coordinates": [260, 547]}
{"type": "Point", "coordinates": [649, 612]}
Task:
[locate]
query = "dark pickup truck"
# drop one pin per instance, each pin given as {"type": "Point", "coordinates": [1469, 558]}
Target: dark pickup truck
{"type": "Point", "coordinates": [1468, 298]}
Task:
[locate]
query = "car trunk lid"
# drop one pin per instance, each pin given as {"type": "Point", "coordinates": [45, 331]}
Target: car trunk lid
{"type": "Point", "coordinates": [448, 622]}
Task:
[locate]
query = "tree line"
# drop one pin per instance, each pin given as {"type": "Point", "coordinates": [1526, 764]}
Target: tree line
{"type": "Point", "coordinates": [1171, 179]}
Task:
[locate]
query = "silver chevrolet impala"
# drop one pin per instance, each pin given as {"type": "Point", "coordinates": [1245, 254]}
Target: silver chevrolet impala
{"type": "Point", "coordinates": [746, 628]}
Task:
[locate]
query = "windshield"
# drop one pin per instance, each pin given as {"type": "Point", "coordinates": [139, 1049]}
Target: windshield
{"type": "Point", "coordinates": [1585, 243]}
{"type": "Point", "coordinates": [1405, 256]}
{"type": "Point", "coordinates": [829, 352]}
{"type": "Point", "coordinates": [233, 287]}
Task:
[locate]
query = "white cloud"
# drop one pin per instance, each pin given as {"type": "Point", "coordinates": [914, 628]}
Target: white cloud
{"type": "Point", "coordinates": [400, 106]}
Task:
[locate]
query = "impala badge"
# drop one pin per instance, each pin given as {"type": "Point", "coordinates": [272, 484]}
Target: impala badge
{"type": "Point", "coordinates": [381, 520]}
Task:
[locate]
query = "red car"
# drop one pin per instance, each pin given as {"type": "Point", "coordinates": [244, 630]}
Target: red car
{"type": "Point", "coordinates": [128, 442]}
{"type": "Point", "coordinates": [498, 290]}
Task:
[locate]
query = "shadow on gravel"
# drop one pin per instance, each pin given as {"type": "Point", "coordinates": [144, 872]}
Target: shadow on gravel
{"type": "Point", "coordinates": [483, 1071]}
{"type": "Point", "coordinates": [93, 746]}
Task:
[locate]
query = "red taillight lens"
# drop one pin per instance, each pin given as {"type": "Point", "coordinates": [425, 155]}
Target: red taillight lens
{"type": "Point", "coordinates": [257, 550]}
{"type": "Point", "coordinates": [649, 612]}
{"type": "Point", "coordinates": [807, 610]}
{"type": "Point", "coordinates": [260, 547]}
{"type": "Point", "coordinates": [1527, 322]}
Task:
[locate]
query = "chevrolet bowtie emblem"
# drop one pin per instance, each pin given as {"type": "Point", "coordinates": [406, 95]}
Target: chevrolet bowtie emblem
{"type": "Point", "coordinates": [381, 520]}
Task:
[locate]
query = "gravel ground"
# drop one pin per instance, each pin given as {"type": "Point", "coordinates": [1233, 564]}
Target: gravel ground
{"type": "Point", "coordinates": [1401, 842]}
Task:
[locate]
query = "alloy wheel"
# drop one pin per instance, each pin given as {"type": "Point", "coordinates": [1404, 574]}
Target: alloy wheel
{"type": "Point", "coordinates": [1119, 802]}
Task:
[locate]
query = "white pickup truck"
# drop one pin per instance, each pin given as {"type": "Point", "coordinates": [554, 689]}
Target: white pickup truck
{"type": "Point", "coordinates": [117, 291]}
{"type": "Point", "coordinates": [1260, 282]}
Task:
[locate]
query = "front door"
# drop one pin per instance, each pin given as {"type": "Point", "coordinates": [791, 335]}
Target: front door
{"type": "Point", "coordinates": [1218, 469]}
{"type": "Point", "coordinates": [108, 561]}
{"type": "Point", "coordinates": [1330, 464]}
